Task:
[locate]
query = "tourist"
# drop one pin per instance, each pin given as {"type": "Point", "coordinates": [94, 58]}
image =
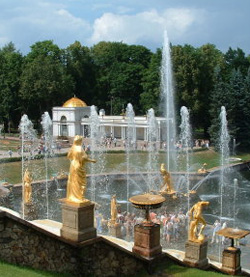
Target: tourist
{"type": "Point", "coordinates": [176, 227]}
{"type": "Point", "coordinates": [168, 230]}
{"type": "Point", "coordinates": [10, 153]}
{"type": "Point", "coordinates": [217, 227]}
{"type": "Point", "coordinates": [98, 219]}
{"type": "Point", "coordinates": [224, 225]}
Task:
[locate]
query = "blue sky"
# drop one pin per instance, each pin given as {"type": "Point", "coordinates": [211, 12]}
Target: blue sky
{"type": "Point", "coordinates": [224, 23]}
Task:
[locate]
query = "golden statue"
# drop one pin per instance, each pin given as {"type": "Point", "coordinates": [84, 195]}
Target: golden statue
{"type": "Point", "coordinates": [167, 182]}
{"type": "Point", "coordinates": [202, 169]}
{"type": "Point", "coordinates": [195, 216]}
{"type": "Point", "coordinates": [77, 181]}
{"type": "Point", "coordinates": [113, 209]}
{"type": "Point", "coordinates": [27, 187]}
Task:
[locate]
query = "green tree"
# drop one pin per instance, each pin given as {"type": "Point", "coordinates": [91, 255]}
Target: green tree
{"type": "Point", "coordinates": [239, 112]}
{"type": "Point", "coordinates": [79, 65]}
{"type": "Point", "coordinates": [44, 83]}
{"type": "Point", "coordinates": [220, 96]}
{"type": "Point", "coordinates": [236, 59]}
{"type": "Point", "coordinates": [119, 72]}
{"type": "Point", "coordinates": [11, 62]}
{"type": "Point", "coordinates": [149, 98]}
{"type": "Point", "coordinates": [193, 71]}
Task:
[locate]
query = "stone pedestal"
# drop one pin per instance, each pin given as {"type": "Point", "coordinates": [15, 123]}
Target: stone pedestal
{"type": "Point", "coordinates": [231, 261]}
{"type": "Point", "coordinates": [78, 221]}
{"type": "Point", "coordinates": [196, 254]}
{"type": "Point", "coordinates": [115, 230]}
{"type": "Point", "coordinates": [30, 211]}
{"type": "Point", "coordinates": [147, 240]}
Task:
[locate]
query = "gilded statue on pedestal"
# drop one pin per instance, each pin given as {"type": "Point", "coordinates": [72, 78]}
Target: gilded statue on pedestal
{"type": "Point", "coordinates": [113, 209]}
{"type": "Point", "coordinates": [167, 182]}
{"type": "Point", "coordinates": [77, 181]}
{"type": "Point", "coordinates": [196, 219]}
{"type": "Point", "coordinates": [27, 180]}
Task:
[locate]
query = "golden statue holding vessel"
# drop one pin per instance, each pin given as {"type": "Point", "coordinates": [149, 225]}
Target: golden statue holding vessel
{"type": "Point", "coordinates": [77, 181]}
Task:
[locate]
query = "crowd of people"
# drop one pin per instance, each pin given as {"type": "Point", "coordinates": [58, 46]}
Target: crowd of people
{"type": "Point", "coordinates": [173, 226]}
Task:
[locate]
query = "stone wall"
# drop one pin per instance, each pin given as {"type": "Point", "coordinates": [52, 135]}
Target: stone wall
{"type": "Point", "coordinates": [25, 244]}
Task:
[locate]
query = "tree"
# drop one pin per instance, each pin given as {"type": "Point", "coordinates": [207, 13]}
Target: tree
{"type": "Point", "coordinates": [44, 83]}
{"type": "Point", "coordinates": [193, 71]}
{"type": "Point", "coordinates": [239, 112]}
{"type": "Point", "coordinates": [236, 59]}
{"type": "Point", "coordinates": [119, 74]}
{"type": "Point", "coordinates": [79, 65]}
{"type": "Point", "coordinates": [149, 98]}
{"type": "Point", "coordinates": [11, 62]}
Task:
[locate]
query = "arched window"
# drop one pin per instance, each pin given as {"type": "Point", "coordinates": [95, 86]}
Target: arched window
{"type": "Point", "coordinates": [64, 126]}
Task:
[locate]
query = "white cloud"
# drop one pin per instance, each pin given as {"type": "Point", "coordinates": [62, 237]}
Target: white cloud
{"type": "Point", "coordinates": [39, 20]}
{"type": "Point", "coordinates": [145, 26]}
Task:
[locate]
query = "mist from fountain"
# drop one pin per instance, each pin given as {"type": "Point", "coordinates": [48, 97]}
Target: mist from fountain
{"type": "Point", "coordinates": [167, 97]}
{"type": "Point", "coordinates": [48, 150]}
{"type": "Point", "coordinates": [28, 145]}
{"type": "Point", "coordinates": [129, 142]}
{"type": "Point", "coordinates": [186, 141]}
{"type": "Point", "coordinates": [97, 153]}
{"type": "Point", "coordinates": [152, 161]}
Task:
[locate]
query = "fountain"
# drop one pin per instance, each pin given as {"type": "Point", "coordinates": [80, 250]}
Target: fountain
{"type": "Point", "coordinates": [97, 152]}
{"type": "Point", "coordinates": [147, 233]}
{"type": "Point", "coordinates": [224, 149]}
{"type": "Point", "coordinates": [28, 146]}
{"type": "Point", "coordinates": [48, 147]}
{"type": "Point", "coordinates": [167, 96]}
{"type": "Point", "coordinates": [219, 208]}
{"type": "Point", "coordinates": [129, 143]}
{"type": "Point", "coordinates": [185, 138]}
{"type": "Point", "coordinates": [153, 152]}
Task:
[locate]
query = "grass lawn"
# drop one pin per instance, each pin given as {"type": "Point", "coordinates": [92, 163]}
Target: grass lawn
{"type": "Point", "coordinates": [170, 269]}
{"type": "Point", "coordinates": [9, 270]}
{"type": "Point", "coordinates": [9, 144]}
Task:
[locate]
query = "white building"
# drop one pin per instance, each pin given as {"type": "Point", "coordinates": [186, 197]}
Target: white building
{"type": "Point", "coordinates": [73, 119]}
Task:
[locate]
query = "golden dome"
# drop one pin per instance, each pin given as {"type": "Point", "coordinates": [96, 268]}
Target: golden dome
{"type": "Point", "coordinates": [74, 102]}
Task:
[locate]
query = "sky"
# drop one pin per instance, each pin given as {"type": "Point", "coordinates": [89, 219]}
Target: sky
{"type": "Point", "coordinates": [224, 23]}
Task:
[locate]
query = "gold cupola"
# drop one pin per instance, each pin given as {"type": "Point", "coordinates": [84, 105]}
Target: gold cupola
{"type": "Point", "coordinates": [74, 102]}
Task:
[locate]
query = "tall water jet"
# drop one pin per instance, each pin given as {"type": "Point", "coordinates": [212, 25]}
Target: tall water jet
{"type": "Point", "coordinates": [152, 163]}
{"type": "Point", "coordinates": [224, 157]}
{"type": "Point", "coordinates": [28, 146]}
{"type": "Point", "coordinates": [224, 154]}
{"type": "Point", "coordinates": [235, 197]}
{"type": "Point", "coordinates": [130, 142]}
{"type": "Point", "coordinates": [185, 138]}
{"type": "Point", "coordinates": [167, 96]}
{"type": "Point", "coordinates": [48, 149]}
{"type": "Point", "coordinates": [97, 150]}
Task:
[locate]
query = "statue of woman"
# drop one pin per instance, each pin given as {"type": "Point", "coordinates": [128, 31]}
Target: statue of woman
{"type": "Point", "coordinates": [27, 186]}
{"type": "Point", "coordinates": [113, 209]}
{"type": "Point", "coordinates": [77, 181]}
